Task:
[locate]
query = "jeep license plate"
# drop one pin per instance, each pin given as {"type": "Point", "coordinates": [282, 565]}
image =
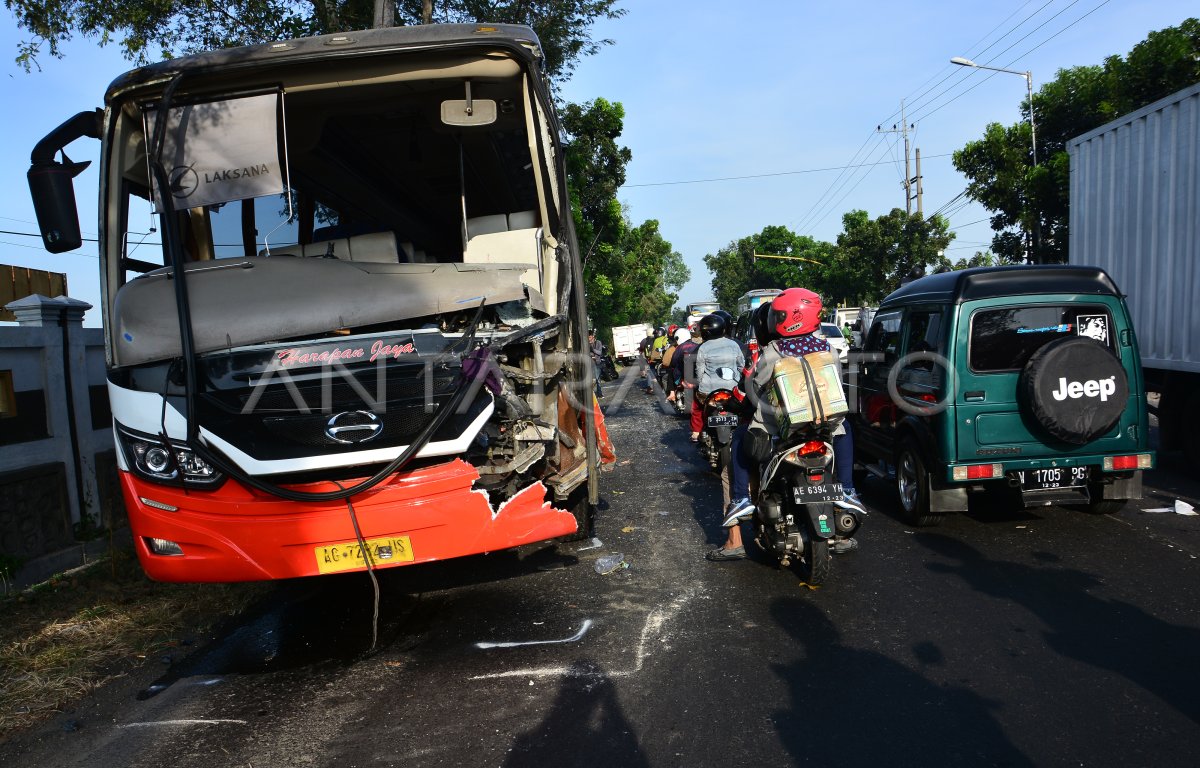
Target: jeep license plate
{"type": "Point", "coordinates": [1052, 477]}
{"type": "Point", "coordinates": [723, 420]}
{"type": "Point", "coordinates": [809, 494]}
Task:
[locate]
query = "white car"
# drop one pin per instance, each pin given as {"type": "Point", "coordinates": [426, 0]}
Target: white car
{"type": "Point", "coordinates": [837, 342]}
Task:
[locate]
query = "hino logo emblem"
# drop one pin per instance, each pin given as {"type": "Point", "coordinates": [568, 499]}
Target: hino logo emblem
{"type": "Point", "coordinates": [353, 427]}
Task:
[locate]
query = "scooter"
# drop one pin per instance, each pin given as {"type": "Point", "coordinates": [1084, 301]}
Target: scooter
{"type": "Point", "coordinates": [795, 519]}
{"type": "Point", "coordinates": [720, 419]}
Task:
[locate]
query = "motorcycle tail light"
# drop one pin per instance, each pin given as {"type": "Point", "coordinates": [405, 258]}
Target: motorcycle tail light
{"type": "Point", "coordinates": [812, 448]}
{"type": "Point", "coordinates": [718, 397]}
{"type": "Point", "coordinates": [816, 479]}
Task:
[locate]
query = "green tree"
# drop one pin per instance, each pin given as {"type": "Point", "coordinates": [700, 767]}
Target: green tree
{"type": "Point", "coordinates": [1030, 204]}
{"type": "Point", "coordinates": [735, 269]}
{"type": "Point", "coordinates": [150, 29]}
{"type": "Point", "coordinates": [631, 273]}
{"type": "Point", "coordinates": [875, 255]}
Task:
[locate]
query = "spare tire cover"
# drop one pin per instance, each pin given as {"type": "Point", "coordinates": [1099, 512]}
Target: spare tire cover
{"type": "Point", "coordinates": [1075, 388]}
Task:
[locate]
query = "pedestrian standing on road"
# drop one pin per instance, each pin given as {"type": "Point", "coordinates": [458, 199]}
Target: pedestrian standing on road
{"type": "Point", "coordinates": [597, 351]}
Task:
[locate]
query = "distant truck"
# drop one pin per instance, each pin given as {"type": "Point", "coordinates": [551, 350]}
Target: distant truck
{"type": "Point", "coordinates": [626, 339]}
{"type": "Point", "coordinates": [1135, 208]}
{"type": "Point", "coordinates": [696, 310]}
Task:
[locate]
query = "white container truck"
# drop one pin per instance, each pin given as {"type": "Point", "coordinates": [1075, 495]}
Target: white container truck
{"type": "Point", "coordinates": [626, 339]}
{"type": "Point", "coordinates": [1135, 212]}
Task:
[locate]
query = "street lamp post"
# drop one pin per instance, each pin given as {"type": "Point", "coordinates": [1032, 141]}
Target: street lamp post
{"type": "Point", "coordinates": [962, 62]}
{"type": "Point", "coordinates": [959, 60]}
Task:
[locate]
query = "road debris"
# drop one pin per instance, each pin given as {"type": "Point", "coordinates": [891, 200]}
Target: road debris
{"type": "Point", "coordinates": [606, 564]}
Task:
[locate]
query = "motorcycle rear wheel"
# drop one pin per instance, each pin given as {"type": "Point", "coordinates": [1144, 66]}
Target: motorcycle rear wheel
{"type": "Point", "coordinates": [817, 563]}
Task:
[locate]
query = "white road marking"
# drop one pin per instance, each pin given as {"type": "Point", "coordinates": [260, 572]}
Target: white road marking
{"type": "Point", "coordinates": [587, 624]}
{"type": "Point", "coordinates": [181, 722]}
{"type": "Point", "coordinates": [652, 628]}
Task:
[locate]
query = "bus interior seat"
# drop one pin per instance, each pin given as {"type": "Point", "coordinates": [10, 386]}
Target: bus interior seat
{"type": "Point", "coordinates": [493, 240]}
{"type": "Point", "coordinates": [377, 247]}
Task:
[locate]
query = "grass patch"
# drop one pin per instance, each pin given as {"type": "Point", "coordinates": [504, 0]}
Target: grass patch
{"type": "Point", "coordinates": [63, 639]}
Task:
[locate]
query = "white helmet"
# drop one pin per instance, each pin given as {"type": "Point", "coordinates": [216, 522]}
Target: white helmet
{"type": "Point", "coordinates": [682, 335]}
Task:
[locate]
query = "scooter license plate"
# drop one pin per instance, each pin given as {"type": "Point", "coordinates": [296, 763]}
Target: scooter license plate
{"type": "Point", "coordinates": [723, 420]}
{"type": "Point", "coordinates": [808, 494]}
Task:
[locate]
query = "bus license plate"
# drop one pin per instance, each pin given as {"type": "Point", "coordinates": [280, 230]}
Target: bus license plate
{"type": "Point", "coordinates": [808, 494]}
{"type": "Point", "coordinates": [349, 556]}
{"type": "Point", "coordinates": [723, 420]}
{"type": "Point", "coordinates": [1052, 477]}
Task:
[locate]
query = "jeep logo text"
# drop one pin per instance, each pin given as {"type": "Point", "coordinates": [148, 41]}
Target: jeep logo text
{"type": "Point", "coordinates": [1090, 388]}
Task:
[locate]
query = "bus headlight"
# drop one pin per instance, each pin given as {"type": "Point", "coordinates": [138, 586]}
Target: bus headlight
{"type": "Point", "coordinates": [150, 458]}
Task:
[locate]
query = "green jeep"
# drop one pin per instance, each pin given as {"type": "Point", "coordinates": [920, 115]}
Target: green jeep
{"type": "Point", "coordinates": [1021, 380]}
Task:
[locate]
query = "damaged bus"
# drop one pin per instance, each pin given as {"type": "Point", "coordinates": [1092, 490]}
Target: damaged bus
{"type": "Point", "coordinates": [357, 344]}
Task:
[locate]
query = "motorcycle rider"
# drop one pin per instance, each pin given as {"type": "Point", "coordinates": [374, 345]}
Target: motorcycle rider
{"type": "Point", "coordinates": [686, 343]}
{"type": "Point", "coordinates": [654, 353]}
{"type": "Point", "coordinates": [719, 362]}
{"type": "Point", "coordinates": [785, 327]}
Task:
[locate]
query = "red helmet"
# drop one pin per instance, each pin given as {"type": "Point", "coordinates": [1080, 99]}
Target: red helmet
{"type": "Point", "coordinates": [671, 330]}
{"type": "Point", "coordinates": [795, 312]}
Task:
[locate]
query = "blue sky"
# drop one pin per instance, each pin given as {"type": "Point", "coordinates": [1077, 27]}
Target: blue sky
{"type": "Point", "coordinates": [774, 90]}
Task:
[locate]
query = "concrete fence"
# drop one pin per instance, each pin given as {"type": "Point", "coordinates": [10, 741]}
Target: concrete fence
{"type": "Point", "coordinates": [58, 478]}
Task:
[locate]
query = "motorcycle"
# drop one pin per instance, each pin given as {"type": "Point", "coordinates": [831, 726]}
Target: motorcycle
{"type": "Point", "coordinates": [682, 400]}
{"type": "Point", "coordinates": [608, 368]}
{"type": "Point", "coordinates": [719, 419]}
{"type": "Point", "coordinates": [795, 518]}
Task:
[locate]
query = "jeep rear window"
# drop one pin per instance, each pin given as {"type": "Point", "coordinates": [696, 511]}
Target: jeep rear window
{"type": "Point", "coordinates": [1004, 339]}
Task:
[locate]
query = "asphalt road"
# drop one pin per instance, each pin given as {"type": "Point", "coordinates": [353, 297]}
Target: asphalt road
{"type": "Point", "coordinates": [1046, 637]}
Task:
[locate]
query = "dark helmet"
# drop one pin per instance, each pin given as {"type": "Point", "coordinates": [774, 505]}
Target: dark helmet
{"type": "Point", "coordinates": [659, 331]}
{"type": "Point", "coordinates": [764, 331]}
{"type": "Point", "coordinates": [713, 327]}
{"type": "Point", "coordinates": [729, 321]}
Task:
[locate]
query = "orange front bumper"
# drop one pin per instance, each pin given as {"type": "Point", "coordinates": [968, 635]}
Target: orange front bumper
{"type": "Point", "coordinates": [238, 534]}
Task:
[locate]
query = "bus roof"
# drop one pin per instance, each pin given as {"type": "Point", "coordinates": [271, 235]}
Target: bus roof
{"type": "Point", "coordinates": [338, 45]}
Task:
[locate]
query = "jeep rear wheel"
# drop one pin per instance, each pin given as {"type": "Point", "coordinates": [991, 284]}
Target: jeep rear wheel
{"type": "Point", "coordinates": [1105, 506]}
{"type": "Point", "coordinates": [912, 485]}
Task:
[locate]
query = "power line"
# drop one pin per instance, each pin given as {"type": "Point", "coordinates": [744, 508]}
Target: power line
{"type": "Point", "coordinates": [826, 210]}
{"type": "Point", "coordinates": [990, 75]}
{"type": "Point", "coordinates": [762, 175]}
{"type": "Point", "coordinates": [825, 195]}
{"type": "Point", "coordinates": [969, 223]}
{"type": "Point", "coordinates": [953, 69]}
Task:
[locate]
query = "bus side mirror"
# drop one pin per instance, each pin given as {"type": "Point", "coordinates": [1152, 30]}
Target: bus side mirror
{"type": "Point", "coordinates": [54, 202]}
{"type": "Point", "coordinates": [50, 182]}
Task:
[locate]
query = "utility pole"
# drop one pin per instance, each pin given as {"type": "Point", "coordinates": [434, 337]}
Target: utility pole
{"type": "Point", "coordinates": [920, 186]}
{"type": "Point", "coordinates": [903, 130]}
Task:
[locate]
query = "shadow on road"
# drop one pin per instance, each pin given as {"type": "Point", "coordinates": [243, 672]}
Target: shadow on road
{"type": "Point", "coordinates": [1107, 634]}
{"type": "Point", "coordinates": [585, 727]}
{"type": "Point", "coordinates": [857, 707]}
{"type": "Point", "coordinates": [328, 621]}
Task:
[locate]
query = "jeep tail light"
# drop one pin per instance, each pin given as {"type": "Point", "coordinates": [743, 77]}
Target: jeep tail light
{"type": "Point", "coordinates": [1118, 463]}
{"type": "Point", "coordinates": [978, 472]}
